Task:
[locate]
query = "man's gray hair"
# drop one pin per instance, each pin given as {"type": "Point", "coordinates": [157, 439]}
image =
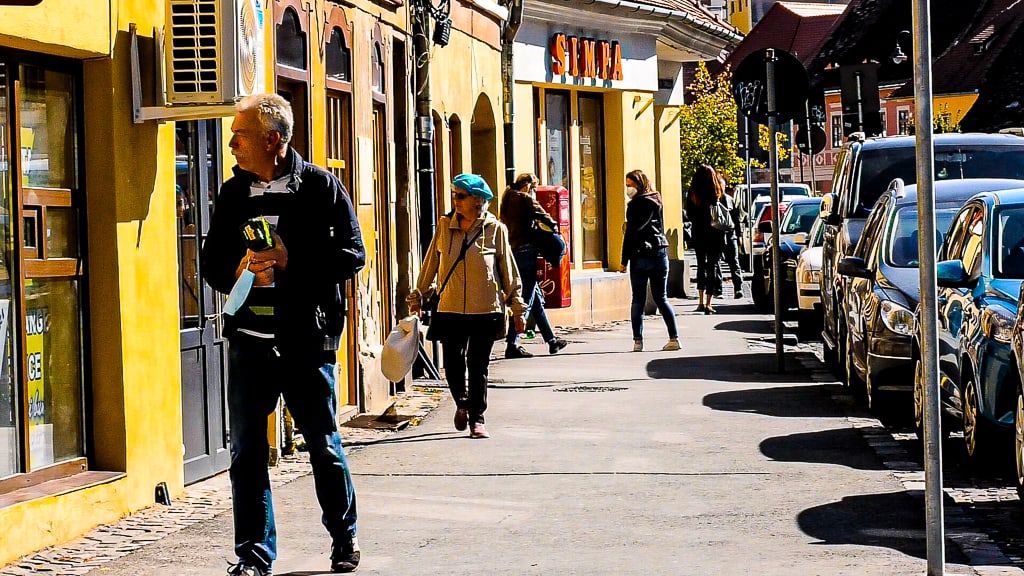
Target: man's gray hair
{"type": "Point", "coordinates": [273, 111]}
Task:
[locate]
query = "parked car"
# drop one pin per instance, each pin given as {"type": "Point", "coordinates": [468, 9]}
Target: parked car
{"type": "Point", "coordinates": [750, 203]}
{"type": "Point", "coordinates": [763, 213]}
{"type": "Point", "coordinates": [864, 169]}
{"type": "Point", "coordinates": [883, 288]}
{"type": "Point", "coordinates": [808, 287]}
{"type": "Point", "coordinates": [979, 273]}
{"type": "Point", "coordinates": [798, 219]}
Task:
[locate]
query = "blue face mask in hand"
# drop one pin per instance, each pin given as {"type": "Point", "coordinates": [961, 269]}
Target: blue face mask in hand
{"type": "Point", "coordinates": [239, 292]}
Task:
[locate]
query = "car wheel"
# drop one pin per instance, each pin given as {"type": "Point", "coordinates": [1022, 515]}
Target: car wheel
{"type": "Point", "coordinates": [870, 394]}
{"type": "Point", "coordinates": [976, 438]}
{"type": "Point", "coordinates": [852, 379]}
{"type": "Point", "coordinates": [830, 354]}
{"type": "Point", "coordinates": [945, 424]}
{"type": "Point", "coordinates": [1018, 440]}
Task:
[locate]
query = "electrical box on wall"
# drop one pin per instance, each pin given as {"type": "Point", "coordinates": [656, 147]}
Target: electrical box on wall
{"type": "Point", "coordinates": [213, 50]}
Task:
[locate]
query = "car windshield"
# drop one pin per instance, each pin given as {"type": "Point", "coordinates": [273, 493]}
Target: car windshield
{"type": "Point", "coordinates": [799, 218]}
{"type": "Point", "coordinates": [784, 189]}
{"type": "Point", "coordinates": [882, 165]}
{"type": "Point", "coordinates": [1009, 242]}
{"type": "Point", "coordinates": [902, 251]}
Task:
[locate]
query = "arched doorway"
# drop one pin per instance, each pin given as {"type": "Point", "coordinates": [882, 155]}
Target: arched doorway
{"type": "Point", "coordinates": [483, 143]}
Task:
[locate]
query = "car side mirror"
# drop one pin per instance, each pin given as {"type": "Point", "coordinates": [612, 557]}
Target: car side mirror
{"type": "Point", "coordinates": [800, 239]}
{"type": "Point", "coordinates": [765, 227]}
{"type": "Point", "coordinates": [952, 274]}
{"type": "Point", "coordinates": [854, 266]}
{"type": "Point", "coordinates": [829, 209]}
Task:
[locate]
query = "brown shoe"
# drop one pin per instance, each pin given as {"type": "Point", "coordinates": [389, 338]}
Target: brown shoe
{"type": "Point", "coordinates": [461, 419]}
{"type": "Point", "coordinates": [477, 430]}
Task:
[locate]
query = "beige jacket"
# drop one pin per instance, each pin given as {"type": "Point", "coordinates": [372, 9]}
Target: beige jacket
{"type": "Point", "coordinates": [485, 281]}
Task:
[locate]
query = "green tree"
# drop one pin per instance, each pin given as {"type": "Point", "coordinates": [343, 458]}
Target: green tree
{"type": "Point", "coordinates": [708, 127]}
{"type": "Point", "coordinates": [708, 133]}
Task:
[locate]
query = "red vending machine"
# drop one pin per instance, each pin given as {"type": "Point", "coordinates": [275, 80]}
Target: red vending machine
{"type": "Point", "coordinates": [556, 282]}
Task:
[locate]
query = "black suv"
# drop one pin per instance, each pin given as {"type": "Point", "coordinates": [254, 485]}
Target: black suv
{"type": "Point", "coordinates": [864, 169]}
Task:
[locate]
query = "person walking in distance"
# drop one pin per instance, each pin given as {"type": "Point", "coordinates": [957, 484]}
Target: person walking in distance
{"type": "Point", "coordinates": [471, 260]}
{"type": "Point", "coordinates": [644, 252]}
{"type": "Point", "coordinates": [731, 253]}
{"type": "Point", "coordinates": [519, 209]}
{"type": "Point", "coordinates": [282, 243]}
{"type": "Point", "coordinates": [708, 241]}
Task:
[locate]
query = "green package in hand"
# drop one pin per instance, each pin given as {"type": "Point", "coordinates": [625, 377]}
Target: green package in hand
{"type": "Point", "coordinates": [256, 234]}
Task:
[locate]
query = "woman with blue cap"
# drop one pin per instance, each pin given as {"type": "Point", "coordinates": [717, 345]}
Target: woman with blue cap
{"type": "Point", "coordinates": [469, 263]}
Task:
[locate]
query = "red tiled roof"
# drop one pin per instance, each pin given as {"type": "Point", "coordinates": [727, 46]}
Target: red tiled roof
{"type": "Point", "coordinates": [796, 27]}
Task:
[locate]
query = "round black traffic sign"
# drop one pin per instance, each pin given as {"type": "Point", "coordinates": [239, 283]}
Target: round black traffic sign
{"type": "Point", "coordinates": [750, 86]}
{"type": "Point", "coordinates": [817, 143]}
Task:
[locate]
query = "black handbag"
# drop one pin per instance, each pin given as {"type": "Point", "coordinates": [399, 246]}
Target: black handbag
{"type": "Point", "coordinates": [547, 241]}
{"type": "Point", "coordinates": [437, 323]}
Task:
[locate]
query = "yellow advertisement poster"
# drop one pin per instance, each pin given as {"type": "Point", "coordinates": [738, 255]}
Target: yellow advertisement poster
{"type": "Point", "coordinates": [40, 426]}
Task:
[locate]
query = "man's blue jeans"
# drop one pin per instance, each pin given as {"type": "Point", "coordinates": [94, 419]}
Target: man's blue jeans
{"type": "Point", "coordinates": [652, 270]}
{"type": "Point", "coordinates": [526, 261]}
{"type": "Point", "coordinates": [257, 375]}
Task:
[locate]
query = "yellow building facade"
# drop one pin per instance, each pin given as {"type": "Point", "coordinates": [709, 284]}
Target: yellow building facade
{"type": "Point", "coordinates": [597, 94]}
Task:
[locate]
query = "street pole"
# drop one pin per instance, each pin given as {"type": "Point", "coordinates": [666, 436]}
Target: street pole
{"type": "Point", "coordinates": [424, 123]}
{"type": "Point", "coordinates": [750, 190]}
{"type": "Point", "coordinates": [925, 146]}
{"type": "Point", "coordinates": [515, 20]}
{"type": "Point", "coordinates": [773, 156]}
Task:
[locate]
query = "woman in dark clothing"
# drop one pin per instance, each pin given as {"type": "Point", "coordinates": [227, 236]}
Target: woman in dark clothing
{"type": "Point", "coordinates": [708, 242]}
{"type": "Point", "coordinates": [519, 209]}
{"type": "Point", "coordinates": [644, 252]}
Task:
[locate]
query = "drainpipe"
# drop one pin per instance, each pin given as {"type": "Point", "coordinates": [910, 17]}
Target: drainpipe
{"type": "Point", "coordinates": [424, 122]}
{"type": "Point", "coordinates": [512, 25]}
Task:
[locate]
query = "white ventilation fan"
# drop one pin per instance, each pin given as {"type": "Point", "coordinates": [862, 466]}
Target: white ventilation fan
{"type": "Point", "coordinates": [214, 50]}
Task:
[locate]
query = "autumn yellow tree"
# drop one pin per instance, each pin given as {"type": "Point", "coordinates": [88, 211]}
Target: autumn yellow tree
{"type": "Point", "coordinates": [708, 133]}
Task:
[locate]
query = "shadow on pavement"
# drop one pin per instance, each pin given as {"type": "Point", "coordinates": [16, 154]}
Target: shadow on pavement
{"type": "Point", "coordinates": [891, 520]}
{"type": "Point", "coordinates": [747, 367]}
{"type": "Point", "coordinates": [805, 401]}
{"type": "Point", "coordinates": [842, 446]}
{"type": "Point", "coordinates": [304, 573]}
{"type": "Point", "coordinates": [747, 326]}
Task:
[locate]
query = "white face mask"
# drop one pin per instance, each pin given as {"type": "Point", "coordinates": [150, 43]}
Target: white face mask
{"type": "Point", "coordinates": [630, 191]}
{"type": "Point", "coordinates": [239, 292]}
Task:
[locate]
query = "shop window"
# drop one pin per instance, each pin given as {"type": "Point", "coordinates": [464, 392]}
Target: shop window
{"type": "Point", "coordinates": [556, 119]}
{"type": "Point", "coordinates": [882, 122]}
{"type": "Point", "coordinates": [903, 121]}
{"type": "Point", "coordinates": [339, 58]}
{"type": "Point", "coordinates": [837, 130]}
{"type": "Point", "coordinates": [592, 189]}
{"type": "Point", "coordinates": [291, 41]}
{"type": "Point", "coordinates": [42, 418]}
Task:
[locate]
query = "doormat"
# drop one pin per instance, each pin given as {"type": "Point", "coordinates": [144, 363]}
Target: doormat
{"type": "Point", "coordinates": [390, 419]}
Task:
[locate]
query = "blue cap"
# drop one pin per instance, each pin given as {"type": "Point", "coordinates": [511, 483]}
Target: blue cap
{"type": "Point", "coordinates": [474, 184]}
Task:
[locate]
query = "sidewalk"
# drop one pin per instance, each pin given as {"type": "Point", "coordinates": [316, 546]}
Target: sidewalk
{"type": "Point", "coordinates": [602, 461]}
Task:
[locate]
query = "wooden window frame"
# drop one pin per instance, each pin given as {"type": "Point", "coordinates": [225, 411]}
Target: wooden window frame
{"type": "Point", "coordinates": [337, 19]}
{"type": "Point", "coordinates": [280, 9]}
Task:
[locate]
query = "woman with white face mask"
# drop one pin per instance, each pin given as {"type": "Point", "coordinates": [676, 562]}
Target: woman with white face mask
{"type": "Point", "coordinates": [644, 253]}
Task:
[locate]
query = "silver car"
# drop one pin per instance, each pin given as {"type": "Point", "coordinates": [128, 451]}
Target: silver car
{"type": "Point", "coordinates": [808, 278]}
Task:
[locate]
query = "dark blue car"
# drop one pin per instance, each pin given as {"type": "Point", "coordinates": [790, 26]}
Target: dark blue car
{"type": "Point", "coordinates": [883, 287]}
{"type": "Point", "coordinates": [979, 273]}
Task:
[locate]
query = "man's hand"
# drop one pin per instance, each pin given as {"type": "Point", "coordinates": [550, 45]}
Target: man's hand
{"type": "Point", "coordinates": [278, 255]}
{"type": "Point", "coordinates": [415, 301]}
{"type": "Point", "coordinates": [622, 269]}
{"type": "Point", "coordinates": [264, 270]}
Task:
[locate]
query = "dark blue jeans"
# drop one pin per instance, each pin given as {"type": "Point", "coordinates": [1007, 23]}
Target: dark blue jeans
{"type": "Point", "coordinates": [654, 271]}
{"type": "Point", "coordinates": [256, 377]}
{"type": "Point", "coordinates": [526, 262]}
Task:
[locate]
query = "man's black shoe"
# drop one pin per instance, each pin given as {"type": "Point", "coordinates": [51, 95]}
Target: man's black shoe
{"type": "Point", "coordinates": [738, 292]}
{"type": "Point", "coordinates": [555, 345]}
{"type": "Point", "coordinates": [517, 352]}
{"type": "Point", "coordinates": [345, 556]}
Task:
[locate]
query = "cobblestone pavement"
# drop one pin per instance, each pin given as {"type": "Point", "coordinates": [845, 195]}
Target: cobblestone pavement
{"type": "Point", "coordinates": [201, 501]}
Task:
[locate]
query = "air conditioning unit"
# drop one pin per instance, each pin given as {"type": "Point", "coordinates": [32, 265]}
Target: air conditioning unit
{"type": "Point", "coordinates": [213, 50]}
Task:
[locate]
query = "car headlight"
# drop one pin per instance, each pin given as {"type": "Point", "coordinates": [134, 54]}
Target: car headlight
{"type": "Point", "coordinates": [808, 276]}
{"type": "Point", "coordinates": [997, 326]}
{"type": "Point", "coordinates": [897, 318]}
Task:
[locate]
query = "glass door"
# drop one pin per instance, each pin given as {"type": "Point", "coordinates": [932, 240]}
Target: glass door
{"type": "Point", "coordinates": [592, 192]}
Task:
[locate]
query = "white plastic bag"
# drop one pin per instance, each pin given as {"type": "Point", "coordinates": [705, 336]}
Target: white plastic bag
{"type": "Point", "coordinates": [400, 348]}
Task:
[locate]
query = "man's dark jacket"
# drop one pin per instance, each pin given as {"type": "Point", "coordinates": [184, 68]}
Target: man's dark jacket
{"type": "Point", "coordinates": [325, 248]}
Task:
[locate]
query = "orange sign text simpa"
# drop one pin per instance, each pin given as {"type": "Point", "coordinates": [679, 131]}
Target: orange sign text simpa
{"type": "Point", "coordinates": [586, 57]}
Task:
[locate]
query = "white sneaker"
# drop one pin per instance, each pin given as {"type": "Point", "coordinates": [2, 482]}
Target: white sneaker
{"type": "Point", "coordinates": [671, 345]}
{"type": "Point", "coordinates": [638, 345]}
